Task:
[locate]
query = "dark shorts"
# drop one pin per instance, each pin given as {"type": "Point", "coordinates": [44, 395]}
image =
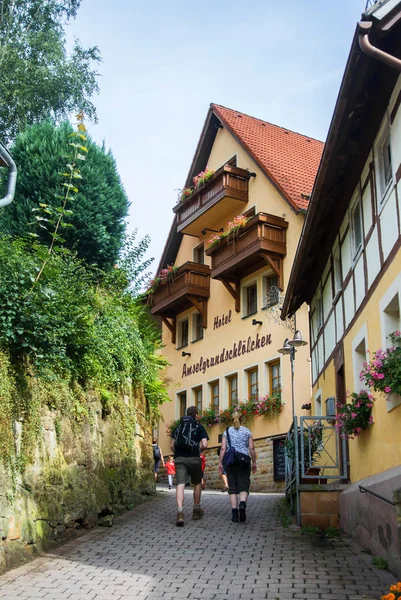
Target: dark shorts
{"type": "Point", "coordinates": [156, 467]}
{"type": "Point", "coordinates": [188, 467]}
{"type": "Point", "coordinates": [239, 479]}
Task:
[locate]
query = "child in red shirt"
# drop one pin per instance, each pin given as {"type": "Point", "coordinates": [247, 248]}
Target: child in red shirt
{"type": "Point", "coordinates": [170, 467]}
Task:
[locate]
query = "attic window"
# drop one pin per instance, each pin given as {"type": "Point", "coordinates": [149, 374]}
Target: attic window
{"type": "Point", "coordinates": [239, 116]}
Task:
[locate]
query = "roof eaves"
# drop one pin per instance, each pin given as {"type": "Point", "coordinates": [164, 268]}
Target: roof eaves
{"type": "Point", "coordinates": [242, 143]}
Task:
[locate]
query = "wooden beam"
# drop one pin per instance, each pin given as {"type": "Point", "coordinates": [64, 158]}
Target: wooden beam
{"type": "Point", "coordinates": [171, 327]}
{"type": "Point", "coordinates": [234, 291]}
{"type": "Point", "coordinates": [201, 307]}
{"type": "Point", "coordinates": [277, 265]}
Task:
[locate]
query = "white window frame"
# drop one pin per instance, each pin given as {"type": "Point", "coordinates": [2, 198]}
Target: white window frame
{"type": "Point", "coordinates": [355, 246]}
{"type": "Point", "coordinates": [382, 144]}
{"type": "Point", "coordinates": [265, 290]}
{"type": "Point", "coordinates": [360, 338]}
{"type": "Point", "coordinates": [244, 295]}
{"type": "Point", "coordinates": [179, 332]}
{"type": "Point", "coordinates": [195, 327]}
{"type": "Point", "coordinates": [393, 291]}
{"type": "Point", "coordinates": [318, 412]}
{"type": "Point", "coordinates": [337, 271]}
{"type": "Point", "coordinates": [319, 312]}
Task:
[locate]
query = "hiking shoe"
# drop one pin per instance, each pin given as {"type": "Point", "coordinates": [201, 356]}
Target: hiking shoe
{"type": "Point", "coordinates": [234, 517]}
{"type": "Point", "coordinates": [197, 513]}
{"type": "Point", "coordinates": [242, 512]}
{"type": "Point", "coordinates": [180, 519]}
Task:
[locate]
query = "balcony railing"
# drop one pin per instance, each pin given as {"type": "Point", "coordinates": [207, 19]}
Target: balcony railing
{"type": "Point", "coordinates": [261, 241]}
{"type": "Point", "coordinates": [224, 193]}
{"type": "Point", "coordinates": [190, 287]}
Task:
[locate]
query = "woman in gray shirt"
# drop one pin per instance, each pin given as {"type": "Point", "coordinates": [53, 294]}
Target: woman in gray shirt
{"type": "Point", "coordinates": [238, 475]}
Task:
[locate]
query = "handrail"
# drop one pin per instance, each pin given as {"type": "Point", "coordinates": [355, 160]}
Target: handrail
{"type": "Point", "coordinates": [364, 490]}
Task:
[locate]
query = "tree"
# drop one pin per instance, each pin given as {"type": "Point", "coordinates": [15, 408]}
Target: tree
{"type": "Point", "coordinates": [99, 209]}
{"type": "Point", "coordinates": [38, 79]}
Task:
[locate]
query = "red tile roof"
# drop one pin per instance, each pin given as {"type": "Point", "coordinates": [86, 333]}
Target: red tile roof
{"type": "Point", "coordinates": [290, 160]}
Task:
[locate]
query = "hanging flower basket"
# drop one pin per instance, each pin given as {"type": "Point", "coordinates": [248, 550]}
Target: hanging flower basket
{"type": "Point", "coordinates": [383, 372]}
{"type": "Point", "coordinates": [355, 416]}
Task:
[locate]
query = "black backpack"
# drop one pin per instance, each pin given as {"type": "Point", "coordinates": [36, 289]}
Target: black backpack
{"type": "Point", "coordinates": [185, 436]}
{"type": "Point", "coordinates": [156, 453]}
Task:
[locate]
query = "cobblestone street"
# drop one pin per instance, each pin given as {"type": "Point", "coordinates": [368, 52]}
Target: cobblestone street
{"type": "Point", "coordinates": [146, 556]}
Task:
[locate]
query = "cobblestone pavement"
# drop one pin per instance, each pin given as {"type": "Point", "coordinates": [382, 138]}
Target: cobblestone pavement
{"type": "Point", "coordinates": [146, 556]}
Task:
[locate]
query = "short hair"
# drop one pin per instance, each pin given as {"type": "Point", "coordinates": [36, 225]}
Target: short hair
{"type": "Point", "coordinates": [192, 411]}
{"type": "Point", "coordinates": [154, 441]}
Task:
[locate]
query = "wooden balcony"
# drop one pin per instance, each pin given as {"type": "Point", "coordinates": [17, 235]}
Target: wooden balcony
{"type": "Point", "coordinates": [225, 193]}
{"type": "Point", "coordinates": [190, 287]}
{"type": "Point", "coordinates": [262, 241]}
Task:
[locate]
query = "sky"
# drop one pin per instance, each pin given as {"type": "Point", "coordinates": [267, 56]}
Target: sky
{"type": "Point", "coordinates": [163, 63]}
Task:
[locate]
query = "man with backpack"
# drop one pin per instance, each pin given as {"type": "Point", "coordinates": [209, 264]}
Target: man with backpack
{"type": "Point", "coordinates": [188, 439]}
{"type": "Point", "coordinates": [157, 457]}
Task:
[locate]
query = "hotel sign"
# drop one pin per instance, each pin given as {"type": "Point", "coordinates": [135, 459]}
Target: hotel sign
{"type": "Point", "coordinates": [238, 349]}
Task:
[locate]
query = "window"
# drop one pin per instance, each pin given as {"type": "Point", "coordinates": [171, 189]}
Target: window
{"type": "Point", "coordinates": [214, 395]}
{"type": "Point", "coordinates": [356, 228]}
{"type": "Point", "coordinates": [359, 360]}
{"type": "Point", "coordinates": [199, 254]}
{"type": "Point", "coordinates": [319, 312]}
{"type": "Point", "coordinates": [385, 175]}
{"type": "Point", "coordinates": [318, 405]}
{"type": "Point", "coordinates": [198, 397]}
{"type": "Point", "coordinates": [197, 327]}
{"type": "Point", "coordinates": [250, 300]}
{"type": "Point", "coordinates": [271, 292]}
{"type": "Point", "coordinates": [337, 277]}
{"type": "Point", "coordinates": [183, 327]}
{"type": "Point", "coordinates": [182, 403]}
{"type": "Point", "coordinates": [232, 389]}
{"type": "Point", "coordinates": [274, 377]}
{"type": "Point", "coordinates": [391, 318]}
{"type": "Point", "coordinates": [253, 384]}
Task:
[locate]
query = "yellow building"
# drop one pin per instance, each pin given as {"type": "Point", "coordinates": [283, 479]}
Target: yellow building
{"type": "Point", "coordinates": [348, 270]}
{"type": "Point", "coordinates": [220, 310]}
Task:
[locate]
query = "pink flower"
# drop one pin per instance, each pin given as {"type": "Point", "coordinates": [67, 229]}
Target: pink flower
{"type": "Point", "coordinates": [387, 389]}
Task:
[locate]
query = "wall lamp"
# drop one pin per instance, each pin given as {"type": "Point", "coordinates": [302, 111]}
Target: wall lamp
{"type": "Point", "coordinates": [251, 174]}
{"type": "Point", "coordinates": [255, 322]}
{"type": "Point", "coordinates": [212, 230]}
{"type": "Point", "coordinates": [185, 353]}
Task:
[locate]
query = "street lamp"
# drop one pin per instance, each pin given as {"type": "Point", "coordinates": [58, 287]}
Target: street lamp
{"type": "Point", "coordinates": [289, 347]}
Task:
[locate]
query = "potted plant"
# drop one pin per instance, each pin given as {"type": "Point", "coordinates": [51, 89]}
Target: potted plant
{"type": "Point", "coordinates": [383, 372]}
{"type": "Point", "coordinates": [355, 416]}
{"type": "Point", "coordinates": [311, 439]}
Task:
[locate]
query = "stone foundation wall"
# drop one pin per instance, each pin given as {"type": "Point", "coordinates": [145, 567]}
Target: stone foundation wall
{"type": "Point", "coordinates": [83, 470]}
{"type": "Point", "coordinates": [320, 508]}
{"type": "Point", "coordinates": [262, 481]}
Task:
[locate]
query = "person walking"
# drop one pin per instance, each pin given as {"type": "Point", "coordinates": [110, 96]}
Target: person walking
{"type": "Point", "coordinates": [157, 457]}
{"type": "Point", "coordinates": [170, 468]}
{"type": "Point", "coordinates": [238, 465]}
{"type": "Point", "coordinates": [188, 439]}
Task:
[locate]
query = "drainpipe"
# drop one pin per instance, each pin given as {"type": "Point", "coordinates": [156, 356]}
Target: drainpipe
{"type": "Point", "coordinates": [366, 46]}
{"type": "Point", "coordinates": [12, 177]}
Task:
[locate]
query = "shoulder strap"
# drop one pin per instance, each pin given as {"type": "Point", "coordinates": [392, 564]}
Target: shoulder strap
{"type": "Point", "coordinates": [228, 437]}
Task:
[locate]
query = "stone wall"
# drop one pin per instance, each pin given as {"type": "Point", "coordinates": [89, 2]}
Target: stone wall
{"type": "Point", "coordinates": [371, 520]}
{"type": "Point", "coordinates": [82, 471]}
{"type": "Point", "coordinates": [262, 481]}
{"type": "Point", "coordinates": [320, 506]}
